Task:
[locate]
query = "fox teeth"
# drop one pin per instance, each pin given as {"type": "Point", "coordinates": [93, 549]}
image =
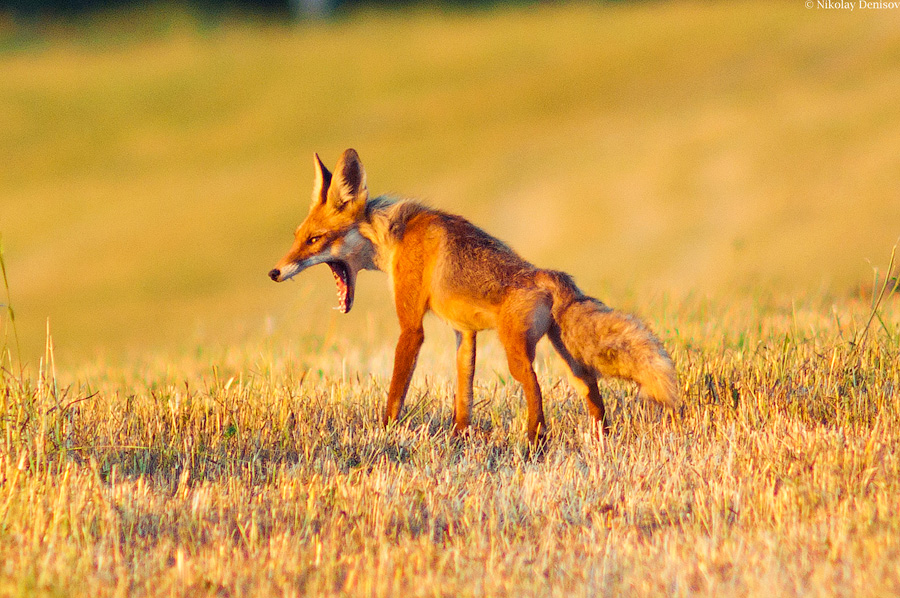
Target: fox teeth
{"type": "Point", "coordinates": [342, 290]}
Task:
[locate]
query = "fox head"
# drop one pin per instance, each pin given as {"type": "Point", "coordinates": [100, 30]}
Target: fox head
{"type": "Point", "coordinates": [330, 233]}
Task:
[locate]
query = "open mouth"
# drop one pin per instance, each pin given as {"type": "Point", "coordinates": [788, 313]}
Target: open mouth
{"type": "Point", "coordinates": [344, 285]}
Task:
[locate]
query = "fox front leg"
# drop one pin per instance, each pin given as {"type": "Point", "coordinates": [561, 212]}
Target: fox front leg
{"type": "Point", "coordinates": [405, 356]}
{"type": "Point", "coordinates": [465, 372]}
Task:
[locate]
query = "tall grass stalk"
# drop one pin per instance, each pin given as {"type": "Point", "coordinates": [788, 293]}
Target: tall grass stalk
{"type": "Point", "coordinates": [11, 316]}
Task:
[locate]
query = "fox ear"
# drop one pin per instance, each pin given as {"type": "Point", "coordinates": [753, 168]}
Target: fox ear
{"type": "Point", "coordinates": [348, 187]}
{"type": "Point", "coordinates": [323, 181]}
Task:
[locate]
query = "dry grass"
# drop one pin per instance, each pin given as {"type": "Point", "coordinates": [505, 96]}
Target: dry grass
{"type": "Point", "coordinates": [151, 179]}
{"type": "Point", "coordinates": [242, 474]}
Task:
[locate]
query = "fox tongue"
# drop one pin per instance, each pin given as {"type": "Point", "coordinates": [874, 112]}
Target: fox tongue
{"type": "Point", "coordinates": [344, 292]}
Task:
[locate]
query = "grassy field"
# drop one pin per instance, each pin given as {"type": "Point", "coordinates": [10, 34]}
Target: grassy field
{"type": "Point", "coordinates": [246, 474]}
{"type": "Point", "coordinates": [154, 168]}
{"type": "Point", "coordinates": [188, 428]}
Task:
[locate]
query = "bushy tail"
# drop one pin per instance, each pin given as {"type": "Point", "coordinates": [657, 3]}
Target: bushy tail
{"type": "Point", "coordinates": [610, 343]}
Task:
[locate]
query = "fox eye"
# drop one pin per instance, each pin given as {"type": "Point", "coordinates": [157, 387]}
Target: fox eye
{"type": "Point", "coordinates": [313, 240]}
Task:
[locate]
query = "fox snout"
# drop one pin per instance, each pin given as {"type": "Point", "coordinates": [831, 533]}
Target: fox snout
{"type": "Point", "coordinates": [285, 270]}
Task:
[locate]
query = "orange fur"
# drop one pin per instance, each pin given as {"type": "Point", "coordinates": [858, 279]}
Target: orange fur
{"type": "Point", "coordinates": [442, 263]}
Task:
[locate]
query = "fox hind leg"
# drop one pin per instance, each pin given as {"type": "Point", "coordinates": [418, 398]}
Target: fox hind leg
{"type": "Point", "coordinates": [584, 382]}
{"type": "Point", "coordinates": [524, 319]}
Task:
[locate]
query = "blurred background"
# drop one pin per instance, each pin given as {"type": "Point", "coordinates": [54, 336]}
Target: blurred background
{"type": "Point", "coordinates": [157, 157]}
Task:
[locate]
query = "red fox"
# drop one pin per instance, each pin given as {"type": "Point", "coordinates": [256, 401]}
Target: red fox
{"type": "Point", "coordinates": [440, 262]}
